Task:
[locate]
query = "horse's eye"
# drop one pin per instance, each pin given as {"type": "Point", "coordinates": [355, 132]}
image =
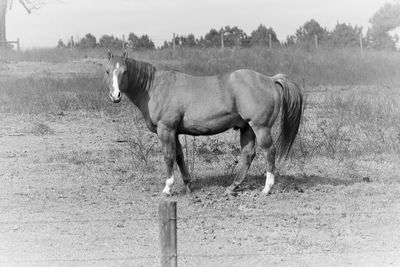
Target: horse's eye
{"type": "Point", "coordinates": [108, 72]}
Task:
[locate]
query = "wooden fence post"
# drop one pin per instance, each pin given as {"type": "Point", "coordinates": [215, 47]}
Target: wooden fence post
{"type": "Point", "coordinates": [168, 238]}
{"type": "Point", "coordinates": [222, 41]}
{"type": "Point", "coordinates": [270, 41]}
{"type": "Point", "coordinates": [361, 43]}
{"type": "Point", "coordinates": [173, 41]}
{"type": "Point", "coordinates": [72, 42]}
{"type": "Point", "coordinates": [316, 41]}
{"type": "Point", "coordinates": [123, 42]}
{"type": "Point", "coordinates": [18, 47]}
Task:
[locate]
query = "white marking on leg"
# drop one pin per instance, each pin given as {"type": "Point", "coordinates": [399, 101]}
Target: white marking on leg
{"type": "Point", "coordinates": [269, 182]}
{"type": "Point", "coordinates": [115, 84]}
{"type": "Point", "coordinates": [168, 185]}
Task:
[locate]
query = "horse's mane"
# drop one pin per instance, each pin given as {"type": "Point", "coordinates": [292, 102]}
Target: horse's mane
{"type": "Point", "coordinates": [140, 74]}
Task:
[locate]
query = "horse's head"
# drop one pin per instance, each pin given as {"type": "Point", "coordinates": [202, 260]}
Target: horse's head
{"type": "Point", "coordinates": [116, 77]}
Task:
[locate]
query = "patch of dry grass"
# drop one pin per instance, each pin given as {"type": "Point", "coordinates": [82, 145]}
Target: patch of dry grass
{"type": "Point", "coordinates": [53, 94]}
{"type": "Point", "coordinates": [354, 122]}
{"type": "Point", "coordinates": [325, 66]}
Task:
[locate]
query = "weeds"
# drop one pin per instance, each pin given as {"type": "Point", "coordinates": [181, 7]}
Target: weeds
{"type": "Point", "coordinates": [343, 125]}
{"type": "Point", "coordinates": [139, 148]}
{"type": "Point", "coordinates": [140, 143]}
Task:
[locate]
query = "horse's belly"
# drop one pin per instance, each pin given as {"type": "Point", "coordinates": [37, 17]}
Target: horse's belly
{"type": "Point", "coordinates": [210, 125]}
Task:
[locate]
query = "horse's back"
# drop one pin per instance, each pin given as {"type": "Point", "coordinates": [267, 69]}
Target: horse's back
{"type": "Point", "coordinates": [212, 104]}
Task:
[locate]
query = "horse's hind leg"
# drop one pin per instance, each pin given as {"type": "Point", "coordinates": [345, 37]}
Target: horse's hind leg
{"type": "Point", "coordinates": [168, 140]}
{"type": "Point", "coordinates": [247, 142]}
{"type": "Point", "coordinates": [264, 140]}
{"type": "Point", "coordinates": [180, 160]}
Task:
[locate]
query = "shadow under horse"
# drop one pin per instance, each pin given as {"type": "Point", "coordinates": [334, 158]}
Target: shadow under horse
{"type": "Point", "coordinates": [175, 103]}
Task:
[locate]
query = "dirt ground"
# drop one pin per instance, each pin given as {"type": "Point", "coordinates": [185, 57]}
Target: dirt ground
{"type": "Point", "coordinates": [71, 195]}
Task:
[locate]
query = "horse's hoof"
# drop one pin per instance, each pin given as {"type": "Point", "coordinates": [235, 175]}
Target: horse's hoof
{"type": "Point", "coordinates": [230, 191]}
{"type": "Point", "coordinates": [266, 190]}
{"type": "Point", "coordinates": [188, 188]}
{"type": "Point", "coordinates": [166, 193]}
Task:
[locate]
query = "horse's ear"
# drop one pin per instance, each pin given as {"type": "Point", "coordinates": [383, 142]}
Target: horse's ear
{"type": "Point", "coordinates": [125, 54]}
{"type": "Point", "coordinates": [109, 54]}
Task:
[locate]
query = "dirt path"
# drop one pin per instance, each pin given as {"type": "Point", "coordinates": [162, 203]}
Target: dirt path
{"type": "Point", "coordinates": [71, 195]}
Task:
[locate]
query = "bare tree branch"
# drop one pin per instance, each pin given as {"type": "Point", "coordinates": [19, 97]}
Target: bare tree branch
{"type": "Point", "coordinates": [26, 8]}
{"type": "Point", "coordinates": [10, 5]}
{"type": "Point", "coordinates": [30, 5]}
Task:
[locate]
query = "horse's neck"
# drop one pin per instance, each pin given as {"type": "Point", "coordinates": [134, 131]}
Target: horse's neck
{"type": "Point", "coordinates": [136, 93]}
{"type": "Point", "coordinates": [140, 97]}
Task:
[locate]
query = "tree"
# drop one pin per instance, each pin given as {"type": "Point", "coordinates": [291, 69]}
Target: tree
{"type": "Point", "coordinates": [109, 41]}
{"type": "Point", "coordinates": [187, 41]}
{"type": "Point", "coordinates": [166, 45]}
{"type": "Point", "coordinates": [345, 35]}
{"type": "Point", "coordinates": [384, 20]}
{"type": "Point", "coordinates": [146, 42]}
{"type": "Point", "coordinates": [261, 36]}
{"type": "Point", "coordinates": [234, 37]}
{"type": "Point", "coordinates": [290, 40]}
{"type": "Point", "coordinates": [211, 39]}
{"type": "Point", "coordinates": [3, 11]}
{"type": "Point", "coordinates": [381, 40]}
{"type": "Point", "coordinates": [89, 41]}
{"type": "Point", "coordinates": [29, 5]}
{"type": "Point", "coordinates": [307, 32]}
{"type": "Point", "coordinates": [141, 43]}
{"type": "Point", "coordinates": [133, 40]}
{"type": "Point", "coordinates": [61, 44]}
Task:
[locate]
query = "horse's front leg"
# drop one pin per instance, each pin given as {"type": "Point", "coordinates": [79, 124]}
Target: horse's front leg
{"type": "Point", "coordinates": [167, 137]}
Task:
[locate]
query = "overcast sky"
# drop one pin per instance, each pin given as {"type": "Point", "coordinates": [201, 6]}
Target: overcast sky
{"type": "Point", "coordinates": [161, 18]}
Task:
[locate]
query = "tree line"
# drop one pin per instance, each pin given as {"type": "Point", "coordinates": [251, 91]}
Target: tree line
{"type": "Point", "coordinates": [342, 35]}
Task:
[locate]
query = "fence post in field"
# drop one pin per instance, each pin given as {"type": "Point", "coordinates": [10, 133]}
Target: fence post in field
{"type": "Point", "coordinates": [72, 42]}
{"type": "Point", "coordinates": [168, 237]}
{"type": "Point", "coordinates": [123, 42]}
{"type": "Point", "coordinates": [18, 44]}
{"type": "Point", "coordinates": [361, 43]}
{"type": "Point", "coordinates": [222, 41]}
{"type": "Point", "coordinates": [316, 41]}
{"type": "Point", "coordinates": [270, 41]}
{"type": "Point", "coordinates": [173, 41]}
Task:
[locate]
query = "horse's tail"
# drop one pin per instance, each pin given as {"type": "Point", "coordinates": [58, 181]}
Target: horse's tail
{"type": "Point", "coordinates": [292, 108]}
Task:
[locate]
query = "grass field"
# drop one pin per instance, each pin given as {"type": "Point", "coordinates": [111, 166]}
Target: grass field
{"type": "Point", "coordinates": [67, 153]}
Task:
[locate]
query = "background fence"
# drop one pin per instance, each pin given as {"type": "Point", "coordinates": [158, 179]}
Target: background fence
{"type": "Point", "coordinates": [11, 42]}
{"type": "Point", "coordinates": [169, 223]}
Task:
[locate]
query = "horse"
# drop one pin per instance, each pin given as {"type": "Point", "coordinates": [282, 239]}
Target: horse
{"type": "Point", "coordinates": [175, 103]}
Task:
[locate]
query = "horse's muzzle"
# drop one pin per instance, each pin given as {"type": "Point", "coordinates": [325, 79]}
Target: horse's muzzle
{"type": "Point", "coordinates": [115, 99]}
